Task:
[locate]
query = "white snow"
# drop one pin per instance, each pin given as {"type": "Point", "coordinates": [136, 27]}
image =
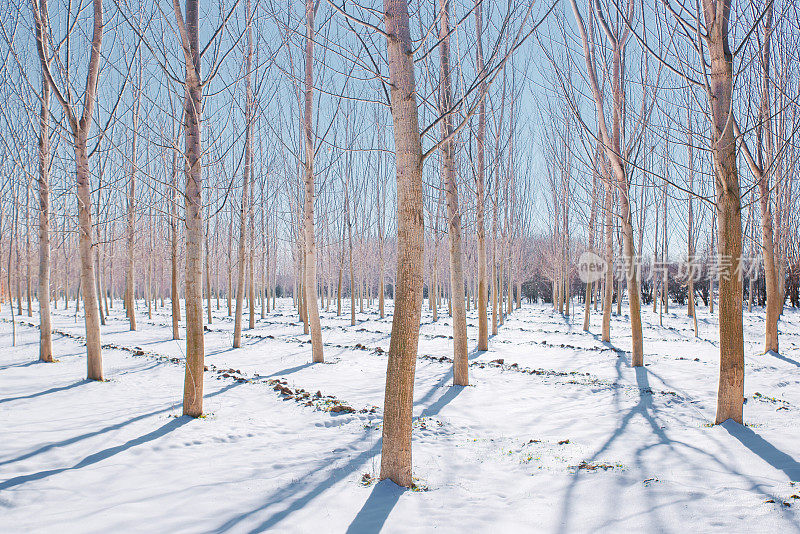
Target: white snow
{"type": "Point", "coordinates": [641, 455]}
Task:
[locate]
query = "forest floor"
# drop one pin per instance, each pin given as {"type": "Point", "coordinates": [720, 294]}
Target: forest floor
{"type": "Point", "coordinates": [556, 433]}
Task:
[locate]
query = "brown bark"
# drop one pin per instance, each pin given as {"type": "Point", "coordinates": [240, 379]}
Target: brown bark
{"type": "Point", "coordinates": [730, 396]}
{"type": "Point", "coordinates": [399, 398]}
{"type": "Point", "coordinates": [193, 110]}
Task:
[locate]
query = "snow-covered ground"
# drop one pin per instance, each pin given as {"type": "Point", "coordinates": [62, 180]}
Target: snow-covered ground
{"type": "Point", "coordinates": [556, 433]}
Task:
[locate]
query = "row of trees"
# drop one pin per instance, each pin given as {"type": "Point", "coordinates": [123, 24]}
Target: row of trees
{"type": "Point", "coordinates": [258, 163]}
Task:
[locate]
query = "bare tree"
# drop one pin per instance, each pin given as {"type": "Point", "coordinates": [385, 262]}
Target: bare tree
{"type": "Point", "coordinates": [460, 363]}
{"type": "Point", "coordinates": [310, 260]}
{"type": "Point", "coordinates": [45, 328]}
{"type": "Point", "coordinates": [612, 143]}
{"type": "Point", "coordinates": [730, 396]}
{"type": "Point", "coordinates": [79, 129]}
{"type": "Point", "coordinates": [399, 397]}
{"type": "Point", "coordinates": [244, 210]}
{"type": "Point", "coordinates": [193, 195]}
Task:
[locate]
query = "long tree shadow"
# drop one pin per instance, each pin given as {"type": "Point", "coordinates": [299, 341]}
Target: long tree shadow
{"type": "Point", "coordinates": [21, 364]}
{"type": "Point", "coordinates": [221, 351]}
{"type": "Point", "coordinates": [782, 357]}
{"type": "Point", "coordinates": [116, 426]}
{"type": "Point", "coordinates": [646, 408]}
{"type": "Point", "coordinates": [101, 455]}
{"type": "Point", "coordinates": [45, 392]}
{"type": "Point", "coordinates": [294, 499]}
{"type": "Point", "coordinates": [475, 353]}
{"type": "Point", "coordinates": [448, 376]}
{"type": "Point", "coordinates": [442, 401]}
{"type": "Point", "coordinates": [599, 338]}
{"type": "Point", "coordinates": [376, 509]}
{"type": "Point", "coordinates": [764, 449]}
{"type": "Point", "coordinates": [381, 502]}
{"type": "Point", "coordinates": [290, 370]}
{"type": "Point", "coordinates": [145, 367]}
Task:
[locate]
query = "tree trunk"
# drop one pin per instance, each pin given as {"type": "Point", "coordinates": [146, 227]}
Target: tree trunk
{"type": "Point", "coordinates": [80, 129]}
{"type": "Point", "coordinates": [350, 252]}
{"type": "Point", "coordinates": [99, 276]}
{"type": "Point", "coordinates": [45, 328]}
{"type": "Point", "coordinates": [310, 283]}
{"type": "Point", "coordinates": [587, 302]}
{"type": "Point", "coordinates": [690, 237]}
{"type": "Point", "coordinates": [246, 179]}
{"type": "Point", "coordinates": [173, 226]}
{"type": "Point", "coordinates": [131, 233]}
{"type": "Point", "coordinates": [339, 288]}
{"type": "Point", "coordinates": [193, 109]}
{"type": "Point", "coordinates": [91, 312]}
{"type": "Point", "coordinates": [774, 301]}
{"type": "Point", "coordinates": [730, 396]}
{"type": "Point", "coordinates": [608, 286]}
{"type": "Point", "coordinates": [242, 255]}
{"type": "Point", "coordinates": [483, 290]}
{"type": "Point", "coordinates": [460, 363]}
{"type": "Point", "coordinates": [208, 275]}
{"type": "Point", "coordinates": [399, 397]}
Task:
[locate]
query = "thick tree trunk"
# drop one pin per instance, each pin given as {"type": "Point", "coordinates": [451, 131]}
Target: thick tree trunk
{"type": "Point", "coordinates": [193, 109]}
{"type": "Point", "coordinates": [730, 396]}
{"type": "Point", "coordinates": [399, 397]}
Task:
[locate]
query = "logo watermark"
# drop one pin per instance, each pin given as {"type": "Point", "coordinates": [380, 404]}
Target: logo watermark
{"type": "Point", "coordinates": [592, 267]}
